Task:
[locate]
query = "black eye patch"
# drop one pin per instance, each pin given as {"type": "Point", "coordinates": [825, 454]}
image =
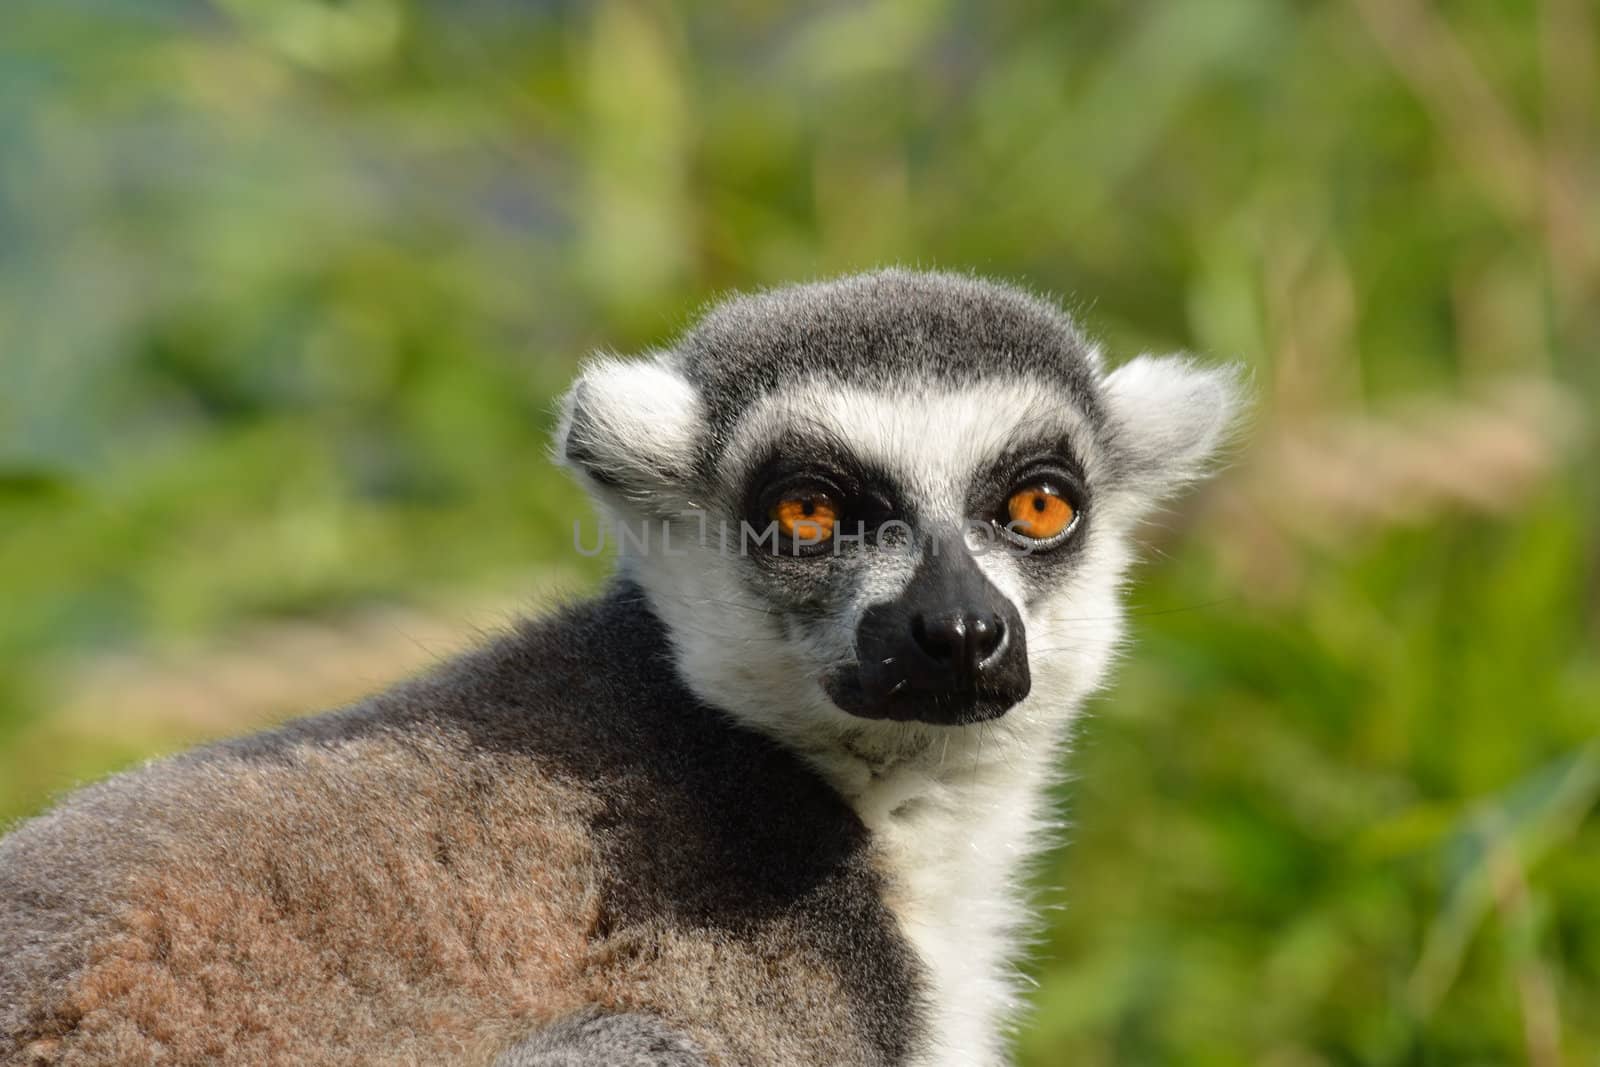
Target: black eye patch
{"type": "Point", "coordinates": [1045, 463]}
{"type": "Point", "coordinates": [863, 496]}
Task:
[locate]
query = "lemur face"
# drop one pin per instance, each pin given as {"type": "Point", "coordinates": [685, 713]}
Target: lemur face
{"type": "Point", "coordinates": [896, 498]}
{"type": "Point", "coordinates": [913, 531]}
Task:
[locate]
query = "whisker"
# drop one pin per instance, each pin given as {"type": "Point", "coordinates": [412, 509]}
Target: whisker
{"type": "Point", "coordinates": [977, 755]}
{"type": "Point", "coordinates": [1146, 613]}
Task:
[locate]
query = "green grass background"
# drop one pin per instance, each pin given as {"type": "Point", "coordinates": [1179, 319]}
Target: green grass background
{"type": "Point", "coordinates": [287, 286]}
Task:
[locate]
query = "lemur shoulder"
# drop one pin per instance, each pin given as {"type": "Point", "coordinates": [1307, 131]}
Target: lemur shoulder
{"type": "Point", "coordinates": [766, 800]}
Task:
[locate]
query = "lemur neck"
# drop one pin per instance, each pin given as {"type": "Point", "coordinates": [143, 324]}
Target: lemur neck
{"type": "Point", "coordinates": [891, 771]}
{"type": "Point", "coordinates": [955, 826]}
{"type": "Point", "coordinates": [967, 806]}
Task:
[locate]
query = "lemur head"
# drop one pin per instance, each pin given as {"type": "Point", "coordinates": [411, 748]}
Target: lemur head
{"type": "Point", "coordinates": [888, 505]}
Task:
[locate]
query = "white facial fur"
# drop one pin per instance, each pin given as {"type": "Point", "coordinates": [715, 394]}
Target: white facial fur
{"type": "Point", "coordinates": [639, 424]}
{"type": "Point", "coordinates": [957, 810]}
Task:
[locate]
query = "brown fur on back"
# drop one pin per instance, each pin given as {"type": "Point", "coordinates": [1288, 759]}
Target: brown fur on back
{"type": "Point", "coordinates": [428, 877]}
{"type": "Point", "coordinates": [354, 898]}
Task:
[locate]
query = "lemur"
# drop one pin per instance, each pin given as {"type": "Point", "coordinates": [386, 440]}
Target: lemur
{"type": "Point", "coordinates": [765, 800]}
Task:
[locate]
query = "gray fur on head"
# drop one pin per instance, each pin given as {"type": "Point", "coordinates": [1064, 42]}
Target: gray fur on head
{"type": "Point", "coordinates": [926, 384]}
{"type": "Point", "coordinates": [655, 425]}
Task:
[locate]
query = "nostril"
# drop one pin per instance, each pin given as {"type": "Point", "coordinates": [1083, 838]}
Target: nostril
{"type": "Point", "coordinates": [985, 635]}
{"type": "Point", "coordinates": [941, 637]}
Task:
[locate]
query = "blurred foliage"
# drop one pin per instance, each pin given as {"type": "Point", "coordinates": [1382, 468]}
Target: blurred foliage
{"type": "Point", "coordinates": [286, 288]}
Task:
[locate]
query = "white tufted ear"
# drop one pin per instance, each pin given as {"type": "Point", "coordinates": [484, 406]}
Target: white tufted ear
{"type": "Point", "coordinates": [1171, 416]}
{"type": "Point", "coordinates": [630, 427]}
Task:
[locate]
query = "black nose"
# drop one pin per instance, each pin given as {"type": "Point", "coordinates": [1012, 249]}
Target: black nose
{"type": "Point", "coordinates": [950, 650]}
{"type": "Point", "coordinates": [962, 642]}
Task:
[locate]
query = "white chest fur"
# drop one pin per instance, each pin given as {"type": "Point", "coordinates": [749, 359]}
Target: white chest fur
{"type": "Point", "coordinates": [955, 841]}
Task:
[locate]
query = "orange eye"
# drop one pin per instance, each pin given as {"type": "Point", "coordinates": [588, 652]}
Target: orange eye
{"type": "Point", "coordinates": [1039, 512]}
{"type": "Point", "coordinates": [808, 518]}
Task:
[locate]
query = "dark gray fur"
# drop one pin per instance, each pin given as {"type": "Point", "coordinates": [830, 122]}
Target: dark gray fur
{"type": "Point", "coordinates": [883, 327]}
{"type": "Point", "coordinates": [589, 1039]}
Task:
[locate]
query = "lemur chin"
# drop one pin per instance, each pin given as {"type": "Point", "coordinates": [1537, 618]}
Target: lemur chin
{"type": "Point", "coordinates": [766, 800]}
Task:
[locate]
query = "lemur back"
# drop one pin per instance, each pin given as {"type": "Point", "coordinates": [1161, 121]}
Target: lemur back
{"type": "Point", "coordinates": [511, 840]}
